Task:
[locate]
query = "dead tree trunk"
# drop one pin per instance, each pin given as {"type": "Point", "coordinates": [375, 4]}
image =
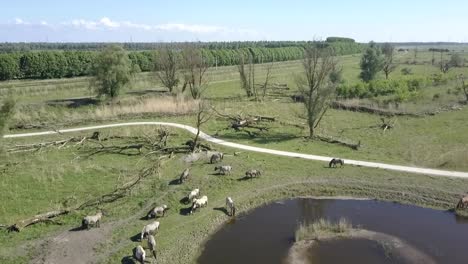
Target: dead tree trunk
{"type": "Point", "coordinates": [40, 218]}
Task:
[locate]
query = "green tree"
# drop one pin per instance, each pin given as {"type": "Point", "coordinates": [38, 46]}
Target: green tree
{"type": "Point", "coordinates": [112, 71]}
{"type": "Point", "coordinates": [9, 67]}
{"type": "Point", "coordinates": [6, 111]}
{"type": "Point", "coordinates": [456, 60]}
{"type": "Point", "coordinates": [371, 63]}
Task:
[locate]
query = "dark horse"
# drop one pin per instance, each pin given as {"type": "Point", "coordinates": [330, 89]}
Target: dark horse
{"type": "Point", "coordinates": [334, 162]}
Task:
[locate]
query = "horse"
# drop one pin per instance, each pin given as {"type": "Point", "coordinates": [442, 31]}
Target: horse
{"type": "Point", "coordinates": [463, 203]}
{"type": "Point", "coordinates": [152, 245]}
{"type": "Point", "coordinates": [184, 175]}
{"type": "Point", "coordinates": [149, 229]}
{"type": "Point", "coordinates": [157, 211]}
{"type": "Point", "coordinates": [199, 203]}
{"type": "Point", "coordinates": [252, 173]}
{"type": "Point", "coordinates": [192, 195]}
{"type": "Point", "coordinates": [140, 254]}
{"type": "Point", "coordinates": [230, 207]}
{"type": "Point", "coordinates": [224, 169]}
{"type": "Point", "coordinates": [94, 220]}
{"type": "Point", "coordinates": [217, 157]}
{"type": "Point", "coordinates": [333, 163]}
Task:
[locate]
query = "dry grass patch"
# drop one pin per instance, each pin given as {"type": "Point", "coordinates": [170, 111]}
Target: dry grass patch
{"type": "Point", "coordinates": [322, 228]}
{"type": "Point", "coordinates": [161, 105]}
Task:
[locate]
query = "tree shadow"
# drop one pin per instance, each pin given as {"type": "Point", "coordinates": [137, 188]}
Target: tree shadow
{"type": "Point", "coordinates": [136, 238]}
{"type": "Point", "coordinates": [175, 182]}
{"type": "Point", "coordinates": [184, 200]}
{"type": "Point", "coordinates": [245, 178]}
{"type": "Point", "coordinates": [128, 260]}
{"type": "Point", "coordinates": [78, 228]}
{"type": "Point", "coordinates": [185, 211]}
{"type": "Point", "coordinates": [264, 138]}
{"type": "Point", "coordinates": [221, 209]}
{"type": "Point", "coordinates": [148, 91]}
{"type": "Point", "coordinates": [73, 102]}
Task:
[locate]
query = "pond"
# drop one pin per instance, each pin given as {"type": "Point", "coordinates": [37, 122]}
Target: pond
{"type": "Point", "coordinates": [266, 234]}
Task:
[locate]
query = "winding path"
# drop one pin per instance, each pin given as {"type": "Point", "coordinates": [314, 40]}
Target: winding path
{"type": "Point", "coordinates": [209, 138]}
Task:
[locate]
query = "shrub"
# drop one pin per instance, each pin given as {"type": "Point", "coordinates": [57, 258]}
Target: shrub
{"type": "Point", "coordinates": [439, 79]}
{"type": "Point", "coordinates": [435, 97]}
{"type": "Point", "coordinates": [406, 71]}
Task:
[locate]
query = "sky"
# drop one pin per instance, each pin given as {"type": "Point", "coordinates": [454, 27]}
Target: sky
{"type": "Point", "coordinates": [239, 20]}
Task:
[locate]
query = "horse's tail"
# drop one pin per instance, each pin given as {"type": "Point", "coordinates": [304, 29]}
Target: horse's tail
{"type": "Point", "coordinates": [83, 223]}
{"type": "Point", "coordinates": [154, 253]}
{"type": "Point", "coordinates": [460, 204]}
{"type": "Point", "coordinates": [233, 211]}
{"type": "Point", "coordinates": [331, 163]}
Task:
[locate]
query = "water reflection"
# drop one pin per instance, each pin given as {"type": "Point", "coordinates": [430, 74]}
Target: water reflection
{"type": "Point", "coordinates": [266, 234]}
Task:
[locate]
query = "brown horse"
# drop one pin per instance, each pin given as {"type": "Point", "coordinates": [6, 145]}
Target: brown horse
{"type": "Point", "coordinates": [334, 162]}
{"type": "Point", "coordinates": [463, 203]}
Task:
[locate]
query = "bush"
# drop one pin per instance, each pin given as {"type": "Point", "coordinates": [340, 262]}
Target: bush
{"type": "Point", "coordinates": [406, 71]}
{"type": "Point", "coordinates": [435, 97]}
{"type": "Point", "coordinates": [456, 60]}
{"type": "Point", "coordinates": [439, 79]}
{"type": "Point", "coordinates": [403, 89]}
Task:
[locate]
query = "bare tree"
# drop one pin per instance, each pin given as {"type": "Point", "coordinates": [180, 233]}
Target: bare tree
{"type": "Point", "coordinates": [388, 65]}
{"type": "Point", "coordinates": [247, 76]}
{"type": "Point", "coordinates": [264, 85]}
{"type": "Point", "coordinates": [204, 114]}
{"type": "Point", "coordinates": [166, 68]}
{"type": "Point", "coordinates": [464, 86]}
{"type": "Point", "coordinates": [195, 67]}
{"type": "Point", "coordinates": [315, 85]}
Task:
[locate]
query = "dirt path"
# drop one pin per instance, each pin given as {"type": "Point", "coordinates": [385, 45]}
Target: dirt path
{"type": "Point", "coordinates": [72, 246]}
{"type": "Point", "coordinates": [209, 138]}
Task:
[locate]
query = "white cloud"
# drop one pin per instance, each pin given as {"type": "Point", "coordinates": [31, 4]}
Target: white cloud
{"type": "Point", "coordinates": [191, 28]}
{"type": "Point", "coordinates": [19, 21]}
{"type": "Point", "coordinates": [105, 21]}
{"type": "Point", "coordinates": [107, 28]}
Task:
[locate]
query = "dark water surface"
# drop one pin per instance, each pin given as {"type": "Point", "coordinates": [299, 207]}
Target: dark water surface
{"type": "Point", "coordinates": [266, 234]}
{"type": "Point", "coordinates": [359, 250]}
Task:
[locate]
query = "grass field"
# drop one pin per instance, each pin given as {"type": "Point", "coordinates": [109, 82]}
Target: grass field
{"type": "Point", "coordinates": [56, 178]}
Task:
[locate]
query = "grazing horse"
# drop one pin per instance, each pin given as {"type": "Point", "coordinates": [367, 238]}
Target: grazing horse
{"type": "Point", "coordinates": [334, 162]}
{"type": "Point", "coordinates": [94, 220]}
{"type": "Point", "coordinates": [252, 173]}
{"type": "Point", "coordinates": [199, 203]}
{"type": "Point", "coordinates": [217, 157]}
{"type": "Point", "coordinates": [192, 195]}
{"type": "Point", "coordinates": [463, 203]}
{"type": "Point", "coordinates": [158, 211]}
{"type": "Point", "coordinates": [152, 245]}
{"type": "Point", "coordinates": [230, 207]}
{"type": "Point", "coordinates": [184, 176]}
{"type": "Point", "coordinates": [149, 229]}
{"type": "Point", "coordinates": [223, 169]}
{"type": "Point", "coordinates": [140, 254]}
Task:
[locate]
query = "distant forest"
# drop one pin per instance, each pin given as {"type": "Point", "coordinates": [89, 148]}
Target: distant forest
{"type": "Point", "coordinates": [59, 60]}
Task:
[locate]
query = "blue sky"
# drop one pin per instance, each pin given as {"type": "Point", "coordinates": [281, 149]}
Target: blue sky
{"type": "Point", "coordinates": [183, 20]}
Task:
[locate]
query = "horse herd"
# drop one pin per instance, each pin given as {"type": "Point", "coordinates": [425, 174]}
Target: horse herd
{"type": "Point", "coordinates": [193, 197]}
{"type": "Point", "coordinates": [197, 201]}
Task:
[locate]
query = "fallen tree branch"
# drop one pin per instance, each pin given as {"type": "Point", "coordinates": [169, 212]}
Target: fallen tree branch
{"type": "Point", "coordinates": [40, 218]}
{"type": "Point", "coordinates": [339, 142]}
{"type": "Point", "coordinates": [38, 146]}
{"type": "Point", "coordinates": [366, 109]}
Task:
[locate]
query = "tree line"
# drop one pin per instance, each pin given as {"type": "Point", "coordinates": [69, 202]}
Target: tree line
{"type": "Point", "coordinates": [47, 64]}
{"type": "Point", "coordinates": [142, 46]}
